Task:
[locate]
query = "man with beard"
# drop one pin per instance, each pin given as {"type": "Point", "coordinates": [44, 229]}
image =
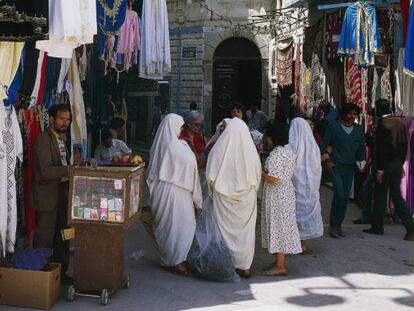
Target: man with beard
{"type": "Point", "coordinates": [50, 186]}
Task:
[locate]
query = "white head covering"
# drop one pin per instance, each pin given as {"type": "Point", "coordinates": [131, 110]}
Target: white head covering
{"type": "Point", "coordinates": [217, 133]}
{"type": "Point", "coordinates": [171, 159]}
{"type": "Point", "coordinates": [233, 165]}
{"type": "Point", "coordinates": [308, 157]}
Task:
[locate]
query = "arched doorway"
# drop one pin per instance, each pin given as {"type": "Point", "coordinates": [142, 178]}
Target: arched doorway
{"type": "Point", "coordinates": [237, 76]}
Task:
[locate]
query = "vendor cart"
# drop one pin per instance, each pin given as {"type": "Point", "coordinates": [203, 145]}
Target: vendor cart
{"type": "Point", "coordinates": [103, 203]}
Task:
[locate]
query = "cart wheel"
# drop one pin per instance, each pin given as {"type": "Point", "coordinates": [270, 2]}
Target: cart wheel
{"type": "Point", "coordinates": [127, 282]}
{"type": "Point", "coordinates": [104, 297]}
{"type": "Point", "coordinates": [71, 293]}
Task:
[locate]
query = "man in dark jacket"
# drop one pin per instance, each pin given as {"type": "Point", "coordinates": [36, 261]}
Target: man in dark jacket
{"type": "Point", "coordinates": [390, 152]}
{"type": "Point", "coordinates": [50, 186]}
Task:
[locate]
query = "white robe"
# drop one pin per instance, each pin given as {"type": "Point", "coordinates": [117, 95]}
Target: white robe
{"type": "Point", "coordinates": [306, 179]}
{"type": "Point", "coordinates": [155, 55]}
{"type": "Point", "coordinates": [11, 148]}
{"type": "Point", "coordinates": [175, 190]}
{"type": "Point", "coordinates": [233, 176]}
{"type": "Point", "coordinates": [71, 24]}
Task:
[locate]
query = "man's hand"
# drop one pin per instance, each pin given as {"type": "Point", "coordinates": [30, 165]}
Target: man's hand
{"type": "Point", "coordinates": [380, 176]}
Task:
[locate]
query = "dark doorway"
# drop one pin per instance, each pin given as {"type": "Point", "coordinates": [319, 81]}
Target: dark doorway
{"type": "Point", "coordinates": [237, 76]}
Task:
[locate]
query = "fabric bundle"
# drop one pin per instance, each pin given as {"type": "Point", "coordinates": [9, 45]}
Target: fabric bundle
{"type": "Point", "coordinates": [360, 38]}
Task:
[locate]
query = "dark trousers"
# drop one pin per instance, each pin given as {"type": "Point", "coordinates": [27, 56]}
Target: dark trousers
{"type": "Point", "coordinates": [367, 195]}
{"type": "Point", "coordinates": [392, 182]}
{"type": "Point", "coordinates": [342, 178]}
{"type": "Point", "coordinates": [48, 226]}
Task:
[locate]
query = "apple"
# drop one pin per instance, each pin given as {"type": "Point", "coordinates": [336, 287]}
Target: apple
{"type": "Point", "coordinates": [116, 159]}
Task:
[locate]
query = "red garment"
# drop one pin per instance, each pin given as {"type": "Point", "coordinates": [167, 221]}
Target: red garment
{"type": "Point", "coordinates": [41, 94]}
{"type": "Point", "coordinates": [353, 83]}
{"type": "Point", "coordinates": [405, 10]}
{"type": "Point", "coordinates": [197, 145]}
{"type": "Point", "coordinates": [32, 131]}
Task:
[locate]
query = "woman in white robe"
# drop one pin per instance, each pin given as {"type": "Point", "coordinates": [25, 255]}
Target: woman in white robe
{"type": "Point", "coordinates": [175, 191]}
{"type": "Point", "coordinates": [307, 180]}
{"type": "Point", "coordinates": [233, 176]}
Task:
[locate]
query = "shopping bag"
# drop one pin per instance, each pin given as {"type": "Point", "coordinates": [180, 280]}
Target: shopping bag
{"type": "Point", "coordinates": [209, 256]}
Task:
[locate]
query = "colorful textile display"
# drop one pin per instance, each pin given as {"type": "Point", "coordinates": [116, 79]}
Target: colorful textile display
{"type": "Point", "coordinates": [284, 63]}
{"type": "Point", "coordinates": [409, 45]}
{"type": "Point", "coordinates": [333, 32]}
{"type": "Point", "coordinates": [360, 38]}
{"type": "Point", "coordinates": [110, 15]}
{"type": "Point", "coordinates": [352, 82]}
{"type": "Point", "coordinates": [155, 56]}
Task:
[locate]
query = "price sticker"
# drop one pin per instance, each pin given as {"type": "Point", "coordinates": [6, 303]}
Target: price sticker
{"type": "Point", "coordinates": [118, 184]}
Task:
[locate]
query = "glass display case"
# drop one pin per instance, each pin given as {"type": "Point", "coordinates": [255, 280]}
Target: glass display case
{"type": "Point", "coordinates": [105, 195]}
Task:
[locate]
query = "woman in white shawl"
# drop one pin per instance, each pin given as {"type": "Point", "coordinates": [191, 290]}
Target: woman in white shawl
{"type": "Point", "coordinates": [175, 190]}
{"type": "Point", "coordinates": [307, 180]}
{"type": "Point", "coordinates": [233, 176]}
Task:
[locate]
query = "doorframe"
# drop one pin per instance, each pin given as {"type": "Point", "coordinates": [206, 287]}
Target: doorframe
{"type": "Point", "coordinates": [211, 42]}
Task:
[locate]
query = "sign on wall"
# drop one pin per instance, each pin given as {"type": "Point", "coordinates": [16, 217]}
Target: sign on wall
{"type": "Point", "coordinates": [189, 52]}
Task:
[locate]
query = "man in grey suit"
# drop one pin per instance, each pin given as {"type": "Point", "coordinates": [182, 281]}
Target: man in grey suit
{"type": "Point", "coordinates": [50, 186]}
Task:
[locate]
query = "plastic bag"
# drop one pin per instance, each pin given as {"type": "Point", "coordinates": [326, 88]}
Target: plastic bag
{"type": "Point", "coordinates": [209, 255]}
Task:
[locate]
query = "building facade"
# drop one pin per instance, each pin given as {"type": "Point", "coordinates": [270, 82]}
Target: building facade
{"type": "Point", "coordinates": [220, 53]}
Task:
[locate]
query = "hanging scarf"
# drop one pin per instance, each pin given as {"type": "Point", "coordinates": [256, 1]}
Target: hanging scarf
{"type": "Point", "coordinates": [360, 37]}
{"type": "Point", "coordinates": [284, 63]}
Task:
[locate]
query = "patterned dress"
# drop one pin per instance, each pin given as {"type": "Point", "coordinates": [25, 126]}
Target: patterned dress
{"type": "Point", "coordinates": [279, 229]}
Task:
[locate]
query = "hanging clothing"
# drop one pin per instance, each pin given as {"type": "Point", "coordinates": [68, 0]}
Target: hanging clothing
{"type": "Point", "coordinates": [404, 88]}
{"type": "Point", "coordinates": [352, 82]}
{"type": "Point", "coordinates": [279, 229]}
{"type": "Point", "coordinates": [155, 56]}
{"type": "Point", "coordinates": [79, 133]}
{"type": "Point", "coordinates": [409, 45]}
{"type": "Point", "coordinates": [24, 20]}
{"type": "Point", "coordinates": [10, 54]}
{"type": "Point", "coordinates": [11, 149]}
{"type": "Point", "coordinates": [110, 17]}
{"type": "Point", "coordinates": [360, 38]}
{"type": "Point", "coordinates": [72, 23]}
{"type": "Point", "coordinates": [174, 189]}
{"type": "Point", "coordinates": [284, 63]}
{"type": "Point", "coordinates": [129, 42]}
{"type": "Point", "coordinates": [333, 32]}
{"type": "Point", "coordinates": [306, 179]}
{"type": "Point", "coordinates": [233, 176]}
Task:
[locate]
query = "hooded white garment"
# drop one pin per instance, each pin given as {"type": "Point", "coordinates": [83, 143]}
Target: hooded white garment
{"type": "Point", "coordinates": [174, 191]}
{"type": "Point", "coordinates": [233, 176]}
{"type": "Point", "coordinates": [217, 134]}
{"type": "Point", "coordinates": [306, 179]}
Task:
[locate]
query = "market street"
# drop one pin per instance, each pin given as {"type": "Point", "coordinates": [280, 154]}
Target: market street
{"type": "Point", "coordinates": [360, 271]}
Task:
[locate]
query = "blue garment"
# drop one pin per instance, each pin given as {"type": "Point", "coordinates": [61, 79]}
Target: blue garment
{"type": "Point", "coordinates": [13, 90]}
{"type": "Point", "coordinates": [30, 259]}
{"type": "Point", "coordinates": [409, 45]}
{"type": "Point", "coordinates": [109, 25]}
{"type": "Point", "coordinates": [342, 178]}
{"type": "Point", "coordinates": [360, 37]}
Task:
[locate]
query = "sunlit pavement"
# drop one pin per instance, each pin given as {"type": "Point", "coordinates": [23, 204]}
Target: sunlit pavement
{"type": "Point", "coordinates": [359, 272]}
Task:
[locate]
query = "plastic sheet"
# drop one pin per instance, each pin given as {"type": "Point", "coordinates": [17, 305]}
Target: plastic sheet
{"type": "Point", "coordinates": [209, 255]}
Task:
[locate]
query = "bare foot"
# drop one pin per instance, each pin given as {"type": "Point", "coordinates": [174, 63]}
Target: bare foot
{"type": "Point", "coordinates": [275, 272]}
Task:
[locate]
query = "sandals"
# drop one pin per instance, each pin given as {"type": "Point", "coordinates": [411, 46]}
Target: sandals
{"type": "Point", "coordinates": [274, 272]}
{"type": "Point", "coordinates": [245, 274]}
{"type": "Point", "coordinates": [185, 273]}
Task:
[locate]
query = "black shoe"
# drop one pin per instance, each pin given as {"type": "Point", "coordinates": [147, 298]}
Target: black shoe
{"type": "Point", "coordinates": [409, 236]}
{"type": "Point", "coordinates": [373, 231]}
{"type": "Point", "coordinates": [66, 279]}
{"type": "Point", "coordinates": [360, 221]}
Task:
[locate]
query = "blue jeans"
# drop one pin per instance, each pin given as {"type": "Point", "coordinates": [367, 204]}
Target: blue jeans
{"type": "Point", "coordinates": [342, 178]}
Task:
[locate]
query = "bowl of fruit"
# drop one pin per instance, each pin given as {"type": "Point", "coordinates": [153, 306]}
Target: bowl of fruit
{"type": "Point", "coordinates": [127, 160]}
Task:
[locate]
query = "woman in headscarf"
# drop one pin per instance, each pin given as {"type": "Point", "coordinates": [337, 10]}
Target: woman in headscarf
{"type": "Point", "coordinates": [307, 180]}
{"type": "Point", "coordinates": [233, 176]}
{"type": "Point", "coordinates": [219, 130]}
{"type": "Point", "coordinates": [174, 192]}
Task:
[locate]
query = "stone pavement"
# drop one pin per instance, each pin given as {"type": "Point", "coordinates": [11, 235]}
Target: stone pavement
{"type": "Point", "coordinates": [359, 272]}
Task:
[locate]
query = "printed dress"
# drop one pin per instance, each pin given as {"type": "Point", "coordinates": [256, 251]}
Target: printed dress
{"type": "Point", "coordinates": [280, 232]}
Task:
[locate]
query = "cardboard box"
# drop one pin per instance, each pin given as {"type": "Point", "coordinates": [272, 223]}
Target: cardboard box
{"type": "Point", "coordinates": [30, 289]}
